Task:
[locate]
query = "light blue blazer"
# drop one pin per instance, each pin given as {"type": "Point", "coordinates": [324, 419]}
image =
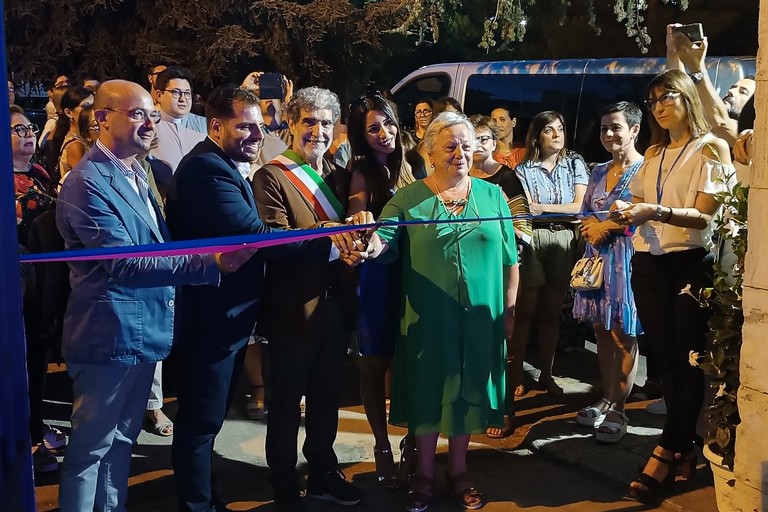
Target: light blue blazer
{"type": "Point", "coordinates": [120, 311]}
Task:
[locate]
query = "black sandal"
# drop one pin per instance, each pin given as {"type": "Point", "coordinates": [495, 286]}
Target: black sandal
{"type": "Point", "coordinates": [651, 494]}
{"type": "Point", "coordinates": [386, 473]}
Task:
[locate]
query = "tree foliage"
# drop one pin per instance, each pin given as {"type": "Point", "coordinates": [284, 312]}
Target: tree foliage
{"type": "Point", "coordinates": [341, 43]}
{"type": "Point", "coordinates": [509, 20]}
{"type": "Point", "coordinates": [217, 39]}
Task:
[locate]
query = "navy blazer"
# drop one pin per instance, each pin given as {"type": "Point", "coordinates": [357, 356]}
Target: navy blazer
{"type": "Point", "coordinates": [120, 311]}
{"type": "Point", "coordinates": [208, 197]}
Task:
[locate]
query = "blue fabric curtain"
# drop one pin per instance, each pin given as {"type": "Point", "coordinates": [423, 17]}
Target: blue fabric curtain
{"type": "Point", "coordinates": [16, 484]}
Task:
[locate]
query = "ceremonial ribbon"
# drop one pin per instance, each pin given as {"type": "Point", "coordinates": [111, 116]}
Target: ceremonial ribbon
{"type": "Point", "coordinates": [257, 241]}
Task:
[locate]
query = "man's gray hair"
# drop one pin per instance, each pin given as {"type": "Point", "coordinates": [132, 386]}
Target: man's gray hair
{"type": "Point", "coordinates": [441, 122]}
{"type": "Point", "coordinates": [313, 98]}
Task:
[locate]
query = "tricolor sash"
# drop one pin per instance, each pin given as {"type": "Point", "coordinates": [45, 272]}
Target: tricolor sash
{"type": "Point", "coordinates": [310, 185]}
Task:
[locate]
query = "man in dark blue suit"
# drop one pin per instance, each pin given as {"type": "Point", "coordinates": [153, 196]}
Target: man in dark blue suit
{"type": "Point", "coordinates": [119, 317]}
{"type": "Point", "coordinates": [210, 197]}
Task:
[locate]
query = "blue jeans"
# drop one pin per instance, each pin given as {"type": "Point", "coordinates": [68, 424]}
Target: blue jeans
{"type": "Point", "coordinates": [107, 412]}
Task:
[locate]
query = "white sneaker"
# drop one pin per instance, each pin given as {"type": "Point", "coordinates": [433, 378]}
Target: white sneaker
{"type": "Point", "coordinates": [53, 438]}
{"type": "Point", "coordinates": [659, 407]}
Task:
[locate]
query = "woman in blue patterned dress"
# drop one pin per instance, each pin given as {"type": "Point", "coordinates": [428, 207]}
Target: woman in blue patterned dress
{"type": "Point", "coordinates": [611, 309]}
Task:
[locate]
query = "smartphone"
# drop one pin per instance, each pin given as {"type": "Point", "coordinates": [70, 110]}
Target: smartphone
{"type": "Point", "coordinates": [271, 86]}
{"type": "Point", "coordinates": [694, 32]}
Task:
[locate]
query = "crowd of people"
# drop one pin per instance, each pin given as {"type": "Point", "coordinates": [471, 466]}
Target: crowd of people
{"type": "Point", "coordinates": [442, 312]}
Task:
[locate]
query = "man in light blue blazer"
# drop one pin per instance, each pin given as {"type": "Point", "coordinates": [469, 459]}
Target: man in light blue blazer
{"type": "Point", "coordinates": [119, 318]}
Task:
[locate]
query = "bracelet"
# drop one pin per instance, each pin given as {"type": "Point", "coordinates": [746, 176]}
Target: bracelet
{"type": "Point", "coordinates": [669, 217]}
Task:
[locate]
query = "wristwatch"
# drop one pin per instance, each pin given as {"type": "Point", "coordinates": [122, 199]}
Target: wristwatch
{"type": "Point", "coordinates": [696, 77]}
{"type": "Point", "coordinates": [658, 213]}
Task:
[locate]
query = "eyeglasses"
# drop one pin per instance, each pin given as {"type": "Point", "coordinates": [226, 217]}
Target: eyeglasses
{"type": "Point", "coordinates": [176, 93]}
{"type": "Point", "coordinates": [137, 114]}
{"type": "Point", "coordinates": [22, 130]}
{"type": "Point", "coordinates": [665, 99]}
{"type": "Point", "coordinates": [484, 139]}
{"type": "Point", "coordinates": [423, 113]}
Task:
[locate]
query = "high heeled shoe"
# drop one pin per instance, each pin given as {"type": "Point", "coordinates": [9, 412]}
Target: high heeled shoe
{"type": "Point", "coordinates": [386, 473]}
{"type": "Point", "coordinates": [650, 493]}
{"type": "Point", "coordinates": [408, 459]}
{"type": "Point", "coordinates": [688, 464]}
{"type": "Point", "coordinates": [419, 494]}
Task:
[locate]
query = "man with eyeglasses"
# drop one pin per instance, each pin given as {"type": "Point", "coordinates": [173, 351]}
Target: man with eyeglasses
{"type": "Point", "coordinates": [119, 317]}
{"type": "Point", "coordinates": [177, 133]}
{"type": "Point", "coordinates": [179, 130]}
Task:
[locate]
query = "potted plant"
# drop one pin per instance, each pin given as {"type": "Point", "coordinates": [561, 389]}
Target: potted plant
{"type": "Point", "coordinates": [721, 359]}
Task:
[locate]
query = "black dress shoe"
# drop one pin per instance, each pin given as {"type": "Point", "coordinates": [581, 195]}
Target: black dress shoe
{"type": "Point", "coordinates": [288, 499]}
{"type": "Point", "coordinates": [333, 486]}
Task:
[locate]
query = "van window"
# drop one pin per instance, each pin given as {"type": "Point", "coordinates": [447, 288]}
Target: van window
{"type": "Point", "coordinates": [576, 96]}
{"type": "Point", "coordinates": [599, 91]}
{"type": "Point", "coordinates": [431, 86]}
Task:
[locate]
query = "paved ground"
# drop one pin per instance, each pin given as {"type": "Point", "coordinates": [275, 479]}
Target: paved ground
{"type": "Point", "coordinates": [548, 463]}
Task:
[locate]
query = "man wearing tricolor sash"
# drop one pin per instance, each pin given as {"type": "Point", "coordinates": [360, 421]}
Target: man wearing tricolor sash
{"type": "Point", "coordinates": [305, 306]}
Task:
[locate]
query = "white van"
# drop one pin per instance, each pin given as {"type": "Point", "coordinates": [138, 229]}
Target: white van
{"type": "Point", "coordinates": [576, 88]}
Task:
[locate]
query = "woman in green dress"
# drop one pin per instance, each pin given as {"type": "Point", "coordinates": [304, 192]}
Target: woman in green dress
{"type": "Point", "coordinates": [459, 283]}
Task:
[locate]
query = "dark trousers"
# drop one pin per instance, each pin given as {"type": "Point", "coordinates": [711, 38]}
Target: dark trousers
{"type": "Point", "coordinates": [675, 324]}
{"type": "Point", "coordinates": [311, 367]}
{"type": "Point", "coordinates": [206, 383]}
{"type": "Point", "coordinates": [38, 349]}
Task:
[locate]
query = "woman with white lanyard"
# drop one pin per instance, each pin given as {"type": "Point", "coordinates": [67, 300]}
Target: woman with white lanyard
{"type": "Point", "coordinates": [673, 205]}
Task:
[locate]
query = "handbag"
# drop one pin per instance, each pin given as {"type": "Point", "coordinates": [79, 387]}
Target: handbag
{"type": "Point", "coordinates": [587, 274]}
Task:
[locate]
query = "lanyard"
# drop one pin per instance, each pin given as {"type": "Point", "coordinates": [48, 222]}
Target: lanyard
{"type": "Point", "coordinates": [660, 184]}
